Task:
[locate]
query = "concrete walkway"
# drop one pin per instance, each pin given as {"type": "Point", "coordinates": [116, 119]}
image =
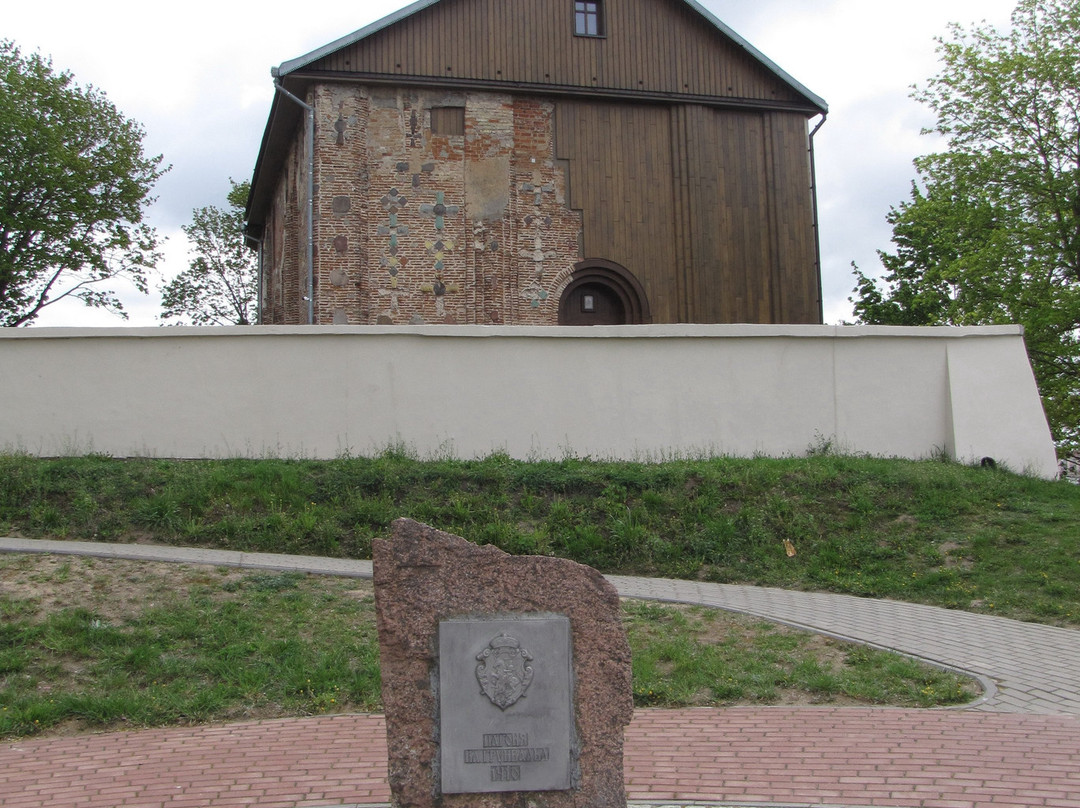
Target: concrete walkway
{"type": "Point", "coordinates": [1019, 746]}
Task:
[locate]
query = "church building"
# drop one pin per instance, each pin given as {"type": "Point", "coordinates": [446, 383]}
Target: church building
{"type": "Point", "coordinates": [537, 162]}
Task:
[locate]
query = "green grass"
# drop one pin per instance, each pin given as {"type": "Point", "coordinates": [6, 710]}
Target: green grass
{"type": "Point", "coordinates": [932, 532]}
{"type": "Point", "coordinates": [697, 656]}
{"type": "Point", "coordinates": [227, 648]}
{"type": "Point", "coordinates": [89, 644]}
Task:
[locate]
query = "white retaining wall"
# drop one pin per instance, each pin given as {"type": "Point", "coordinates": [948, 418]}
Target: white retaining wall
{"type": "Point", "coordinates": [636, 392]}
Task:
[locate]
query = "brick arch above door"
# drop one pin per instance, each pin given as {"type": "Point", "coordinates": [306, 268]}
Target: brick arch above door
{"type": "Point", "coordinates": [602, 292]}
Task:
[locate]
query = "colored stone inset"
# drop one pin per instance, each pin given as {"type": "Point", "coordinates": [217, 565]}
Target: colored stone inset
{"type": "Point", "coordinates": [439, 210]}
{"type": "Point", "coordinates": [393, 201]}
{"type": "Point", "coordinates": [498, 235]}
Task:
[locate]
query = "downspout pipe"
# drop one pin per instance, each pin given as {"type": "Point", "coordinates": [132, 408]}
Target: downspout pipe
{"type": "Point", "coordinates": [309, 211]}
{"type": "Point", "coordinates": [817, 224]}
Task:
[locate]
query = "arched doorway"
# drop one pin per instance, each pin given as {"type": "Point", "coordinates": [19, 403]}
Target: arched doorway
{"type": "Point", "coordinates": [591, 304]}
{"type": "Point", "coordinates": [602, 292]}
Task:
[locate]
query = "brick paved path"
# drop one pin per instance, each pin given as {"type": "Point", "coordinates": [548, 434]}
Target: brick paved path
{"type": "Point", "coordinates": [1020, 747]}
{"type": "Point", "coordinates": [797, 756]}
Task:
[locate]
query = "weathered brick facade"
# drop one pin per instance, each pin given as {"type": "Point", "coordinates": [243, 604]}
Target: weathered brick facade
{"type": "Point", "coordinates": [413, 225]}
{"type": "Point", "coordinates": [282, 298]}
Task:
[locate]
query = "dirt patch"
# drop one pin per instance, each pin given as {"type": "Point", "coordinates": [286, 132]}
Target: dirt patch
{"type": "Point", "coordinates": [952, 557]}
{"type": "Point", "coordinates": [113, 589]}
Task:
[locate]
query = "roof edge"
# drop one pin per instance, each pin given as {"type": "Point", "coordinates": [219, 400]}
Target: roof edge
{"type": "Point", "coordinates": [299, 62]}
{"type": "Point", "coordinates": [806, 108]}
{"type": "Point", "coordinates": [293, 65]}
{"type": "Point", "coordinates": [780, 73]}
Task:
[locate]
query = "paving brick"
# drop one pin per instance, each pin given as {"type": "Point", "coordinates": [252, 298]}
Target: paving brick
{"type": "Point", "coordinates": [1018, 748]}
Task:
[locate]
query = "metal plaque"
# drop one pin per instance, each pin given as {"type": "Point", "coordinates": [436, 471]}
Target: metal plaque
{"type": "Point", "coordinates": [506, 704]}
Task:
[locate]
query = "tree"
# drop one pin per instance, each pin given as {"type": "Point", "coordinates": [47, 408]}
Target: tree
{"type": "Point", "coordinates": [991, 233]}
{"type": "Point", "coordinates": [74, 184]}
{"type": "Point", "coordinates": [220, 285]}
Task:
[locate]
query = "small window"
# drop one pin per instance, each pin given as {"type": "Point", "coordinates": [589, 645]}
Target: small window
{"type": "Point", "coordinates": [448, 120]}
{"type": "Point", "coordinates": [587, 18]}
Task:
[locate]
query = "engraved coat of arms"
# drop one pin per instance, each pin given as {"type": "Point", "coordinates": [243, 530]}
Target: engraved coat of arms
{"type": "Point", "coordinates": [504, 673]}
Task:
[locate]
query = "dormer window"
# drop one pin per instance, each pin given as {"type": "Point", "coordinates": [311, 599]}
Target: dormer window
{"type": "Point", "coordinates": [588, 18]}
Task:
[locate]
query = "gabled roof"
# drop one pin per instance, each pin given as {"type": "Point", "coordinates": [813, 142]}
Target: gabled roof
{"type": "Point", "coordinates": [293, 65]}
{"type": "Point", "coordinates": [300, 62]}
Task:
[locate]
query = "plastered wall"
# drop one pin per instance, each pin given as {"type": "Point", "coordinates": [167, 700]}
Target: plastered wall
{"type": "Point", "coordinates": [636, 392]}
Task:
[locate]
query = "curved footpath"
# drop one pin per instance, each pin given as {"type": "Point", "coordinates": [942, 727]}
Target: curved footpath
{"type": "Point", "coordinates": [1018, 746]}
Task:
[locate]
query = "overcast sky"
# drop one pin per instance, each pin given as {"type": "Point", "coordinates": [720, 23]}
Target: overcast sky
{"type": "Point", "coordinates": [197, 76]}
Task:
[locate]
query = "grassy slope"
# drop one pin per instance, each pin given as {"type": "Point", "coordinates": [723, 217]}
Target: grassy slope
{"type": "Point", "coordinates": [932, 532]}
{"type": "Point", "coordinates": [96, 644]}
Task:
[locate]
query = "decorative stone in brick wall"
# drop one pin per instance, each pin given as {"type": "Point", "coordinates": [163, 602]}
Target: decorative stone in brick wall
{"type": "Point", "coordinates": [469, 228]}
{"type": "Point", "coordinates": [452, 616]}
{"type": "Point", "coordinates": [439, 210]}
{"type": "Point", "coordinates": [340, 205]}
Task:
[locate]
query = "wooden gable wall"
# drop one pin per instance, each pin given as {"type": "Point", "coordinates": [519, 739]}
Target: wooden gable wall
{"type": "Point", "coordinates": [650, 47]}
{"type": "Point", "coordinates": [710, 209]}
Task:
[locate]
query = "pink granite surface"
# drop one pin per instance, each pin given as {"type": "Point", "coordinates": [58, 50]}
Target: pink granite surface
{"type": "Point", "coordinates": [422, 576]}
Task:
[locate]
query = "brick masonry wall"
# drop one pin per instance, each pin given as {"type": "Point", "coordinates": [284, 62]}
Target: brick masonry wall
{"type": "Point", "coordinates": [281, 250]}
{"type": "Point", "coordinates": [549, 233]}
{"type": "Point", "coordinates": [415, 226]}
{"type": "Point", "coordinates": [341, 209]}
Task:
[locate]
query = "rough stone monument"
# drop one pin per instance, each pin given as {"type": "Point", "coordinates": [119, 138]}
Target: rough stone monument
{"type": "Point", "coordinates": [505, 679]}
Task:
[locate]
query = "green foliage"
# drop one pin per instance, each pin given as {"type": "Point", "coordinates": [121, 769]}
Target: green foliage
{"type": "Point", "coordinates": [221, 648]}
{"type": "Point", "coordinates": [991, 233]}
{"type": "Point", "coordinates": [697, 657]}
{"type": "Point", "coordinates": [99, 644]}
{"type": "Point", "coordinates": [74, 183]}
{"type": "Point", "coordinates": [928, 531]}
{"type": "Point", "coordinates": [220, 286]}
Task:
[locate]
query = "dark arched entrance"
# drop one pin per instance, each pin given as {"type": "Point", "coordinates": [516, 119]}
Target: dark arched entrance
{"type": "Point", "coordinates": [602, 292]}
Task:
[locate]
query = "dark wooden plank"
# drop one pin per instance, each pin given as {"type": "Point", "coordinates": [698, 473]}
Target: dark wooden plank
{"type": "Point", "coordinates": [657, 46]}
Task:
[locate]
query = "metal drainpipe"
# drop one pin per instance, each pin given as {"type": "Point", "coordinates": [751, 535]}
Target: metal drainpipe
{"type": "Point", "coordinates": [817, 224]}
{"type": "Point", "coordinates": [309, 214]}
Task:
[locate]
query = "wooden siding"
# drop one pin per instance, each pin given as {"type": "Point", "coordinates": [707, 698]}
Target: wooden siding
{"type": "Point", "coordinates": [710, 209]}
{"type": "Point", "coordinates": [620, 178]}
{"type": "Point", "coordinates": [796, 245]}
{"type": "Point", "coordinates": [651, 46]}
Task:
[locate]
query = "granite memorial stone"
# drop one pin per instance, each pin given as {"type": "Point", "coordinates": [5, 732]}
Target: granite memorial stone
{"type": "Point", "coordinates": [506, 679]}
